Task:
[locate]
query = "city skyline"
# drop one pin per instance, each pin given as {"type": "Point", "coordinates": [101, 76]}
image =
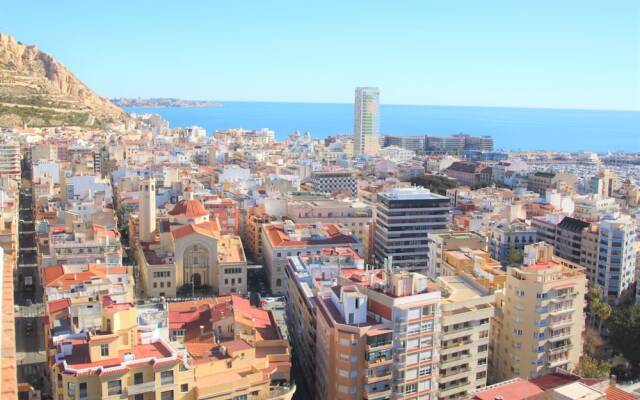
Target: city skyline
{"type": "Point", "coordinates": [435, 54]}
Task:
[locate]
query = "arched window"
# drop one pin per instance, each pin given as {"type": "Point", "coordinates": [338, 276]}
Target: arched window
{"type": "Point", "coordinates": [278, 282]}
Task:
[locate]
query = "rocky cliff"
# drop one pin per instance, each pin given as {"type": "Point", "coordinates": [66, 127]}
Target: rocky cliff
{"type": "Point", "coordinates": [36, 90]}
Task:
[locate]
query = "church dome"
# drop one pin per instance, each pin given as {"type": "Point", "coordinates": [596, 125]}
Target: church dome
{"type": "Point", "coordinates": [189, 208]}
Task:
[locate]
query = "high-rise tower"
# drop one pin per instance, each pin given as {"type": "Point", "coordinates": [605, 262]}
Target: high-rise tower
{"type": "Point", "coordinates": [147, 210]}
{"type": "Point", "coordinates": [367, 120]}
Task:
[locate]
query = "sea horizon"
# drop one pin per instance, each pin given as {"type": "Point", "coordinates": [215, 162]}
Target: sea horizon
{"type": "Point", "coordinates": [513, 128]}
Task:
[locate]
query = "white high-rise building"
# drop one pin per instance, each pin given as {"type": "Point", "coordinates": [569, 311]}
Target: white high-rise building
{"type": "Point", "coordinates": [616, 256]}
{"type": "Point", "coordinates": [367, 121]}
{"type": "Point", "coordinates": [147, 211]}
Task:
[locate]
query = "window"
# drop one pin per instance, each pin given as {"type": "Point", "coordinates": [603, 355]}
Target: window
{"type": "Point", "coordinates": [167, 395]}
{"type": "Point", "coordinates": [166, 378]}
{"type": "Point", "coordinates": [184, 388]}
{"type": "Point", "coordinates": [104, 350]}
{"type": "Point", "coordinates": [114, 388]}
{"type": "Point", "coordinates": [411, 388]}
{"type": "Point", "coordinates": [82, 389]}
{"type": "Point", "coordinates": [71, 389]}
{"type": "Point", "coordinates": [138, 378]}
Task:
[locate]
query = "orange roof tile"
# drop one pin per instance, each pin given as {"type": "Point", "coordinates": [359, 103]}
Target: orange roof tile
{"type": "Point", "coordinates": [189, 208]}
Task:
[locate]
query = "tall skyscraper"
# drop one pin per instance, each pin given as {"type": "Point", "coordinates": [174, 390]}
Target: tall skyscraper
{"type": "Point", "coordinates": [367, 120]}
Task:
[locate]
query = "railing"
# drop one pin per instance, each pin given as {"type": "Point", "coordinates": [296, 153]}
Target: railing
{"type": "Point", "coordinates": [141, 388]}
{"type": "Point", "coordinates": [281, 392]}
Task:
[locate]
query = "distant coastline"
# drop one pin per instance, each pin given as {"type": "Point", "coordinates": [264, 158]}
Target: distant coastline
{"type": "Point", "coordinates": [511, 128]}
{"type": "Point", "coordinates": [163, 102]}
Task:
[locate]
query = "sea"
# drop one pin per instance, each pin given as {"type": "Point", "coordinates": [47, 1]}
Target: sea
{"type": "Point", "coordinates": [512, 128]}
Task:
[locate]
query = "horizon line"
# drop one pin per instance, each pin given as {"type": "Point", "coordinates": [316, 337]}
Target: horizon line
{"type": "Point", "coordinates": [383, 104]}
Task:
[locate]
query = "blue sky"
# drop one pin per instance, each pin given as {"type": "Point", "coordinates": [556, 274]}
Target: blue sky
{"type": "Point", "coordinates": [556, 54]}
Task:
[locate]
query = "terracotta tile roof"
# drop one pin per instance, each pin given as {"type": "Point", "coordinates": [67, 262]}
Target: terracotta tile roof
{"type": "Point", "coordinates": [516, 389]}
{"type": "Point", "coordinates": [209, 228]}
{"type": "Point", "coordinates": [58, 305]}
{"type": "Point", "coordinates": [189, 208]}
{"type": "Point", "coordinates": [614, 393]}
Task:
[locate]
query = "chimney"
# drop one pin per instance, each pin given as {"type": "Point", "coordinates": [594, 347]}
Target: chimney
{"type": "Point", "coordinates": [613, 380]}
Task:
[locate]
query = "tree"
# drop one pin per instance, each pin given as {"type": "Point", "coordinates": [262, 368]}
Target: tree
{"type": "Point", "coordinates": [624, 331]}
{"type": "Point", "coordinates": [590, 367]}
{"type": "Point", "coordinates": [514, 256]}
{"type": "Point", "coordinates": [436, 183]}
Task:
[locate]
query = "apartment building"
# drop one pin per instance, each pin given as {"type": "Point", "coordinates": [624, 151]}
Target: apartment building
{"type": "Point", "coordinates": [541, 181]}
{"type": "Point", "coordinates": [10, 159]}
{"type": "Point", "coordinates": [504, 237]}
{"type": "Point", "coordinates": [334, 182]}
{"type": "Point", "coordinates": [307, 277]}
{"type": "Point", "coordinates": [591, 207]}
{"type": "Point", "coordinates": [77, 244]}
{"type": "Point", "coordinates": [377, 337]}
{"type": "Point", "coordinates": [466, 314]}
{"type": "Point", "coordinates": [403, 220]}
{"type": "Point", "coordinates": [439, 242]}
{"type": "Point", "coordinates": [236, 350]}
{"type": "Point", "coordinates": [225, 212]}
{"type": "Point", "coordinates": [616, 265]}
{"type": "Point", "coordinates": [539, 316]}
{"type": "Point", "coordinates": [120, 361]}
{"type": "Point", "coordinates": [255, 218]}
{"type": "Point", "coordinates": [476, 266]}
{"type": "Point", "coordinates": [351, 214]}
{"type": "Point", "coordinates": [283, 240]}
{"type": "Point", "coordinates": [469, 173]}
{"type": "Point", "coordinates": [563, 233]}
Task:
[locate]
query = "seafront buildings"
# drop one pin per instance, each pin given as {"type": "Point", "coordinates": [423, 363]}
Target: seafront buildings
{"type": "Point", "coordinates": [166, 263]}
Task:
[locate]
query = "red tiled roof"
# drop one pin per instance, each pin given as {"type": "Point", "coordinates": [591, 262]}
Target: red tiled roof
{"type": "Point", "coordinates": [209, 228]}
{"type": "Point", "coordinates": [614, 393]}
{"type": "Point", "coordinates": [58, 305]}
{"type": "Point", "coordinates": [518, 389]}
{"type": "Point", "coordinates": [189, 208]}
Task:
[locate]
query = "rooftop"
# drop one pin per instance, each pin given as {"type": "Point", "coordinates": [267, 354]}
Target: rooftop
{"type": "Point", "coordinates": [412, 193]}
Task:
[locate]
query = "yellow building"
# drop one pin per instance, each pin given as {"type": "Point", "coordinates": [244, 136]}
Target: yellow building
{"type": "Point", "coordinates": [466, 316]}
{"type": "Point", "coordinates": [539, 316]}
{"type": "Point", "coordinates": [120, 362]}
{"type": "Point", "coordinates": [476, 266]}
{"type": "Point", "coordinates": [236, 350]}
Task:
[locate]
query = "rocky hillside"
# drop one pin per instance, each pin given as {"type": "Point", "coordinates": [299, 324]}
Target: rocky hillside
{"type": "Point", "coordinates": [36, 90]}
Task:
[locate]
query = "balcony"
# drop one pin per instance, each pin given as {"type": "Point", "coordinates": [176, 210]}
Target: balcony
{"type": "Point", "coordinates": [281, 392]}
{"type": "Point", "coordinates": [556, 362]}
{"type": "Point", "coordinates": [559, 349]}
{"type": "Point", "coordinates": [559, 335]}
{"type": "Point", "coordinates": [381, 394]}
{"type": "Point", "coordinates": [554, 312]}
{"type": "Point", "coordinates": [450, 361]}
{"type": "Point", "coordinates": [451, 375]}
{"type": "Point", "coordinates": [141, 388]}
{"type": "Point", "coordinates": [560, 323]}
{"type": "Point", "coordinates": [455, 346]}
{"type": "Point", "coordinates": [378, 362]}
{"type": "Point", "coordinates": [377, 376]}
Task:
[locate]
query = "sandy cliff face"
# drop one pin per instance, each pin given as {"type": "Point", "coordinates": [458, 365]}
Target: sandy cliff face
{"type": "Point", "coordinates": [36, 90]}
